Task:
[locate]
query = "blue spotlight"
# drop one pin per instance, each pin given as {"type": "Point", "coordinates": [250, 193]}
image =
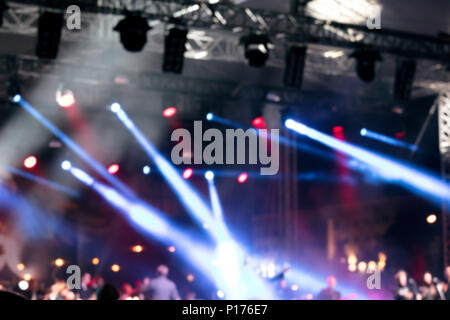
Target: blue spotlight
{"type": "Point", "coordinates": [17, 98]}
{"type": "Point", "coordinates": [209, 116]}
{"type": "Point", "coordinates": [42, 181]}
{"type": "Point", "coordinates": [394, 171]}
{"type": "Point", "coordinates": [146, 170]}
{"type": "Point", "coordinates": [115, 107]}
{"type": "Point", "coordinates": [209, 175]}
{"type": "Point", "coordinates": [82, 176]}
{"type": "Point", "coordinates": [76, 148]}
{"type": "Point", "coordinates": [383, 138]}
{"type": "Point", "coordinates": [66, 165]}
{"type": "Point", "coordinates": [188, 196]}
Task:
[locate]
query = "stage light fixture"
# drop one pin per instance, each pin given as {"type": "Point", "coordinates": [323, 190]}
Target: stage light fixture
{"type": "Point", "coordinates": [115, 268]}
{"type": "Point", "coordinates": [404, 79]}
{"type": "Point", "coordinates": [169, 112]}
{"type": "Point", "coordinates": [432, 218]}
{"type": "Point", "coordinates": [65, 98]}
{"type": "Point", "coordinates": [133, 32]}
{"type": "Point", "coordinates": [23, 285]}
{"type": "Point", "coordinates": [174, 49]}
{"type": "Point", "coordinates": [66, 165]}
{"type": "Point", "coordinates": [209, 175]}
{"type": "Point", "coordinates": [13, 88]}
{"type": "Point", "coordinates": [30, 162]}
{"type": "Point", "coordinates": [187, 173]}
{"type": "Point", "coordinates": [366, 63]}
{"type": "Point", "coordinates": [113, 169]}
{"type": "Point", "coordinates": [256, 48]}
{"type": "Point", "coordinates": [242, 177]}
{"type": "Point", "coordinates": [259, 123]}
{"type": "Point", "coordinates": [295, 66]}
{"type": "Point", "coordinates": [49, 34]}
{"type": "Point", "coordinates": [95, 261]}
{"type": "Point", "coordinates": [146, 170]}
{"type": "Point", "coordinates": [209, 116]}
{"type": "Point", "coordinates": [3, 8]}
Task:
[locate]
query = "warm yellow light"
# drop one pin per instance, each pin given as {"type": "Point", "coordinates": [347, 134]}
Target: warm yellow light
{"type": "Point", "coordinates": [362, 266]}
{"type": "Point", "coordinates": [171, 249]}
{"type": "Point", "coordinates": [59, 262]}
{"type": "Point", "coordinates": [371, 266]}
{"type": "Point", "coordinates": [95, 261]}
{"type": "Point", "coordinates": [382, 256]}
{"type": "Point", "coordinates": [381, 265]}
{"type": "Point", "coordinates": [431, 218]}
{"type": "Point", "coordinates": [352, 267]}
{"type": "Point", "coordinates": [115, 268]}
{"type": "Point", "coordinates": [190, 277]}
{"type": "Point", "coordinates": [20, 267]}
{"type": "Point", "coordinates": [137, 248]}
{"type": "Point", "coordinates": [27, 277]}
{"type": "Point", "coordinates": [352, 259]}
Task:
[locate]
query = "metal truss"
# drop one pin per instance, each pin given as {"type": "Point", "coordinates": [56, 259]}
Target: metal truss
{"type": "Point", "coordinates": [226, 16]}
{"type": "Point", "coordinates": [444, 146]}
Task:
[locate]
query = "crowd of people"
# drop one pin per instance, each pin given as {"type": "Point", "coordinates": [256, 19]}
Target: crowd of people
{"type": "Point", "coordinates": [431, 288]}
{"type": "Point", "coordinates": [162, 288]}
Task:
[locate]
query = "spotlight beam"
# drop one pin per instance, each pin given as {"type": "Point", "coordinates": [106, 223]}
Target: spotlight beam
{"type": "Point", "coordinates": [150, 221]}
{"type": "Point", "coordinates": [409, 177]}
{"type": "Point", "coordinates": [74, 146]}
{"type": "Point", "coordinates": [189, 198]}
{"type": "Point", "coordinates": [43, 181]}
{"type": "Point", "coordinates": [383, 138]}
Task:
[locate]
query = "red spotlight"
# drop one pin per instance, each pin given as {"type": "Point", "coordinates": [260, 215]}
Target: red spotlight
{"type": "Point", "coordinates": [66, 99]}
{"type": "Point", "coordinates": [400, 135]}
{"type": "Point", "coordinates": [169, 112]}
{"type": "Point", "coordinates": [338, 129]}
{"type": "Point", "coordinates": [30, 162]}
{"type": "Point", "coordinates": [242, 177]}
{"type": "Point", "coordinates": [188, 173]}
{"type": "Point", "coordinates": [259, 123]}
{"type": "Point", "coordinates": [113, 169]}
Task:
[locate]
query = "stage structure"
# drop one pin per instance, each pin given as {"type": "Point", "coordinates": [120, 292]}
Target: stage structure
{"type": "Point", "coordinates": [444, 146]}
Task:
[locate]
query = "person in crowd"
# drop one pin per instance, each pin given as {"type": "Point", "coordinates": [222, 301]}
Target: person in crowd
{"type": "Point", "coordinates": [107, 293]}
{"type": "Point", "coordinates": [127, 292]}
{"type": "Point", "coordinates": [428, 290]}
{"type": "Point", "coordinates": [446, 283]}
{"type": "Point", "coordinates": [87, 292]}
{"type": "Point", "coordinates": [329, 293]}
{"type": "Point", "coordinates": [403, 291]}
{"type": "Point", "coordinates": [161, 288]}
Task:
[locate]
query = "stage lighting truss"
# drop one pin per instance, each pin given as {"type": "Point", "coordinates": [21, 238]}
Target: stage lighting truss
{"type": "Point", "coordinates": [444, 146]}
{"type": "Point", "coordinates": [237, 19]}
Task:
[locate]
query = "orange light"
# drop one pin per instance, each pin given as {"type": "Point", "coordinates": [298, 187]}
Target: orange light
{"type": "Point", "coordinates": [171, 249]}
{"type": "Point", "coordinates": [432, 218]}
{"type": "Point", "coordinates": [27, 277]}
{"type": "Point", "coordinates": [20, 267]}
{"type": "Point", "coordinates": [190, 277]}
{"type": "Point", "coordinates": [95, 261]}
{"type": "Point", "coordinates": [137, 248]}
{"type": "Point", "coordinates": [115, 268]}
{"type": "Point", "coordinates": [59, 262]}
